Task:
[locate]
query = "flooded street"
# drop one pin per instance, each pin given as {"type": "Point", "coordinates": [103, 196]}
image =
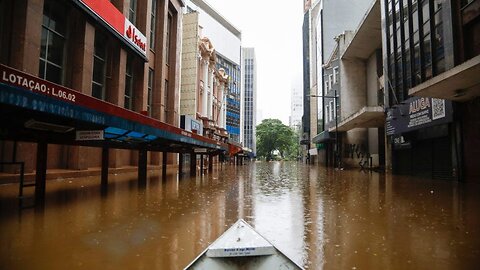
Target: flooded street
{"type": "Point", "coordinates": [322, 219]}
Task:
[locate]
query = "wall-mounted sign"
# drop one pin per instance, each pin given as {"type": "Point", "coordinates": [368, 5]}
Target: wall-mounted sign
{"type": "Point", "coordinates": [200, 150]}
{"type": "Point", "coordinates": [89, 135]}
{"type": "Point", "coordinates": [416, 113]}
{"type": "Point", "coordinates": [108, 13]}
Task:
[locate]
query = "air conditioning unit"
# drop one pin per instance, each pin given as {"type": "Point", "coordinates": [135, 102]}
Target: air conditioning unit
{"type": "Point", "coordinates": [38, 125]}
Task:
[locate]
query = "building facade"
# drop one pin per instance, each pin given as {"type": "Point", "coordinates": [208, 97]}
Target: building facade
{"type": "Point", "coordinates": [249, 100]}
{"type": "Point", "coordinates": [126, 53]}
{"type": "Point", "coordinates": [327, 19]}
{"type": "Point", "coordinates": [296, 108]}
{"type": "Point", "coordinates": [227, 40]}
{"type": "Point", "coordinates": [431, 55]}
{"type": "Point", "coordinates": [203, 86]}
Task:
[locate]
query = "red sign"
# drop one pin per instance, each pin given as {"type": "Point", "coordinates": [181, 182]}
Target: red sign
{"type": "Point", "coordinates": [117, 21]}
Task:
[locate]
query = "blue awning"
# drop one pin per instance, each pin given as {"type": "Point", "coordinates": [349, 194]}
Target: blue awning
{"type": "Point", "coordinates": [116, 128]}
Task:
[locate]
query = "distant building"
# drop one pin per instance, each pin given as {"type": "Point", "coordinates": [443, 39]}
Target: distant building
{"type": "Point", "coordinates": [296, 109]}
{"type": "Point", "coordinates": [227, 40]}
{"type": "Point", "coordinates": [249, 86]}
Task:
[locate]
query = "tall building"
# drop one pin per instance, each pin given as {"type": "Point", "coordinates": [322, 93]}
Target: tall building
{"type": "Point", "coordinates": [296, 108]}
{"type": "Point", "coordinates": [249, 100]}
{"type": "Point", "coordinates": [324, 20]}
{"type": "Point", "coordinates": [227, 40]}
{"type": "Point", "coordinates": [431, 53]}
{"type": "Point", "coordinates": [93, 84]}
{"type": "Point", "coordinates": [109, 50]}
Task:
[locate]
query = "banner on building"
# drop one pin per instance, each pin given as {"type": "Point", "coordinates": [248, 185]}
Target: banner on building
{"type": "Point", "coordinates": [416, 113]}
{"type": "Point", "coordinates": [116, 21]}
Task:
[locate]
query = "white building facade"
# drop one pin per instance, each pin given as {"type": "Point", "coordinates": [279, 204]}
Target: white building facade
{"type": "Point", "coordinates": [249, 98]}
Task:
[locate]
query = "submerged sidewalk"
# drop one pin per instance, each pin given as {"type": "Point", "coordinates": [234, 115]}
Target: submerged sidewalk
{"type": "Point", "coordinates": [52, 174]}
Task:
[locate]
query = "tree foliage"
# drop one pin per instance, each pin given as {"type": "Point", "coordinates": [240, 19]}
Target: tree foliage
{"type": "Point", "coordinates": [273, 135]}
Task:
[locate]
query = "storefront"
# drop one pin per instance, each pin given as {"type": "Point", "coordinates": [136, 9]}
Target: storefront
{"type": "Point", "coordinates": [422, 135]}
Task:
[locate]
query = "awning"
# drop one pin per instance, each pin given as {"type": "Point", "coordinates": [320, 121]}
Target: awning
{"type": "Point", "coordinates": [324, 137]}
{"type": "Point", "coordinates": [368, 36]}
{"type": "Point", "coordinates": [41, 109]}
{"type": "Point", "coordinates": [461, 83]}
{"type": "Point", "coordinates": [367, 117]}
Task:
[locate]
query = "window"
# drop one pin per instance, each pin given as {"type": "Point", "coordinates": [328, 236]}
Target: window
{"type": "Point", "coordinates": [151, 75]}
{"type": "Point", "coordinates": [165, 96]}
{"type": "Point", "coordinates": [330, 80]}
{"type": "Point", "coordinates": [52, 50]}
{"type": "Point", "coordinates": [332, 111]}
{"type": "Point", "coordinates": [99, 65]}
{"type": "Point", "coordinates": [132, 11]}
{"type": "Point", "coordinates": [335, 75]}
{"type": "Point", "coordinates": [167, 38]}
{"type": "Point", "coordinates": [153, 21]}
{"type": "Point", "coordinates": [129, 84]}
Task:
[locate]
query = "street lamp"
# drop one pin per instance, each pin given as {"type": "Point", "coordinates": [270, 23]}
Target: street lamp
{"type": "Point", "coordinates": [337, 155]}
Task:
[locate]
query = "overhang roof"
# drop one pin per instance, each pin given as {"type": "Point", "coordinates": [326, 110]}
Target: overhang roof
{"type": "Point", "coordinates": [368, 35]}
{"type": "Point", "coordinates": [323, 137]}
{"type": "Point", "coordinates": [461, 83]}
{"type": "Point", "coordinates": [47, 105]}
{"type": "Point", "coordinates": [367, 117]}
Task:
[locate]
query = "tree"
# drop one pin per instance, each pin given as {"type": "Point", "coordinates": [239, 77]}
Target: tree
{"type": "Point", "coordinates": [273, 135]}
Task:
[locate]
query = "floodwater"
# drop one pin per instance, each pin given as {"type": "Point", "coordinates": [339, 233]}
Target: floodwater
{"type": "Point", "coordinates": [322, 219]}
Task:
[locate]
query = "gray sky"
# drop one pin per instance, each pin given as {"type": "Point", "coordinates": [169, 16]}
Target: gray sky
{"type": "Point", "coordinates": [274, 29]}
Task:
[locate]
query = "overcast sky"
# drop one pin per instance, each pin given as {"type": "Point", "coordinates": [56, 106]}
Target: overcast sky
{"type": "Point", "coordinates": [274, 29]}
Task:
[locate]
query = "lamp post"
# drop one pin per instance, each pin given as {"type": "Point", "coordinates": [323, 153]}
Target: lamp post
{"type": "Point", "coordinates": [337, 155]}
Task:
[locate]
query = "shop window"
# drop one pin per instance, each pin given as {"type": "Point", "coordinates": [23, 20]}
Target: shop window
{"type": "Point", "coordinates": [53, 40]}
{"type": "Point", "coordinates": [167, 38]}
{"type": "Point", "coordinates": [129, 84]}
{"type": "Point", "coordinates": [153, 27]}
{"type": "Point", "coordinates": [132, 11]}
{"type": "Point", "coordinates": [99, 65]}
{"type": "Point", "coordinates": [151, 75]}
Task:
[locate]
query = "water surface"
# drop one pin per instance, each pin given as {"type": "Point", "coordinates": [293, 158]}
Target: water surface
{"type": "Point", "coordinates": [322, 219]}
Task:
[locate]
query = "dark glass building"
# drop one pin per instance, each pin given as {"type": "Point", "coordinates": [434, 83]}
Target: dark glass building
{"type": "Point", "coordinates": [431, 54]}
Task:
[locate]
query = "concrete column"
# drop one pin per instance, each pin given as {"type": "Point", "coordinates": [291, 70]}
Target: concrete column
{"type": "Point", "coordinates": [201, 164]}
{"type": "Point", "coordinates": [116, 84]}
{"type": "Point", "coordinates": [193, 164]}
{"type": "Point", "coordinates": [210, 163]}
{"type": "Point", "coordinates": [41, 174]}
{"type": "Point", "coordinates": [104, 177]}
{"type": "Point", "coordinates": [224, 112]}
{"type": "Point", "coordinates": [220, 98]}
{"type": "Point", "coordinates": [142, 167]}
{"type": "Point", "coordinates": [180, 164]}
{"type": "Point", "coordinates": [26, 35]}
{"type": "Point", "coordinates": [210, 95]}
{"type": "Point", "coordinates": [164, 166]}
{"type": "Point", "coordinates": [205, 89]}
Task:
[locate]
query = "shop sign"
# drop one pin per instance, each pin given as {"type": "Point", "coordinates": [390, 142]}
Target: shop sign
{"type": "Point", "coordinates": [399, 142]}
{"type": "Point", "coordinates": [89, 135]}
{"type": "Point", "coordinates": [15, 78]}
{"type": "Point", "coordinates": [416, 113]}
{"type": "Point", "coordinates": [108, 13]}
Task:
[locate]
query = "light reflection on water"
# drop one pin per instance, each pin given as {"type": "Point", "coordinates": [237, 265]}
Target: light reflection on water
{"type": "Point", "coordinates": [321, 218]}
